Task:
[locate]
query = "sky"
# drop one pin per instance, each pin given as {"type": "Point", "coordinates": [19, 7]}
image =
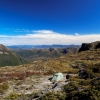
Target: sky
{"type": "Point", "coordinates": [37, 22]}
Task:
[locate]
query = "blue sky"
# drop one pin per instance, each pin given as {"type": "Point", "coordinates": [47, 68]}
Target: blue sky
{"type": "Point", "coordinates": [49, 21]}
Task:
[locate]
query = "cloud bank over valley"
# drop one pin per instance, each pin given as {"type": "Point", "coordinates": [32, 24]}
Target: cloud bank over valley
{"type": "Point", "coordinates": [47, 37]}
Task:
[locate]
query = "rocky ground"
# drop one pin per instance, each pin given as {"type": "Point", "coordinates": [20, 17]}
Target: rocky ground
{"type": "Point", "coordinates": [34, 84]}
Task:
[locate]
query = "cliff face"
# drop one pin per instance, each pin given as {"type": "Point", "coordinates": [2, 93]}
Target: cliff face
{"type": "Point", "coordinates": [89, 46]}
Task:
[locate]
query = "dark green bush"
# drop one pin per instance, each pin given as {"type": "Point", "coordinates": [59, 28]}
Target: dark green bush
{"type": "Point", "coordinates": [54, 96]}
{"type": "Point", "coordinates": [70, 87]}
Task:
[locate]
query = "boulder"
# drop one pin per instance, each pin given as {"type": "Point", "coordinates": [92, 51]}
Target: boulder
{"type": "Point", "coordinates": [68, 76]}
{"type": "Point", "coordinates": [83, 74]}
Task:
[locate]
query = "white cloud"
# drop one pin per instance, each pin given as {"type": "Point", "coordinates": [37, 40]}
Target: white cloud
{"type": "Point", "coordinates": [44, 31]}
{"type": "Point", "coordinates": [22, 30]}
{"type": "Point", "coordinates": [39, 37]}
{"type": "Point", "coordinates": [76, 34]}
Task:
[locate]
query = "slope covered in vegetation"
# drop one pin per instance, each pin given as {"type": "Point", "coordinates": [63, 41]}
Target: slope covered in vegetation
{"type": "Point", "coordinates": [44, 54]}
{"type": "Point", "coordinates": [29, 81]}
{"type": "Point", "coordinates": [9, 58]}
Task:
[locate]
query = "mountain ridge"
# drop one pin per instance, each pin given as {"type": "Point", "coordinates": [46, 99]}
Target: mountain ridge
{"type": "Point", "coordinates": [41, 46]}
{"type": "Point", "coordinates": [44, 54]}
{"type": "Point", "coordinates": [10, 58]}
{"type": "Point", "coordinates": [90, 46]}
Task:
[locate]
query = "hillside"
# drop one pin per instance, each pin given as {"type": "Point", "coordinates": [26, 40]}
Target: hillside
{"type": "Point", "coordinates": [44, 54]}
{"type": "Point", "coordinates": [90, 46]}
{"type": "Point", "coordinates": [30, 81]}
{"type": "Point", "coordinates": [9, 58]}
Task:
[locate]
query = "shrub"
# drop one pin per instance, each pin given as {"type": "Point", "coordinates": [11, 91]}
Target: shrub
{"type": "Point", "coordinates": [3, 87]}
{"type": "Point", "coordinates": [90, 73]}
{"type": "Point", "coordinates": [85, 82]}
{"type": "Point", "coordinates": [70, 87]}
{"type": "Point", "coordinates": [12, 96]}
{"type": "Point", "coordinates": [53, 96]}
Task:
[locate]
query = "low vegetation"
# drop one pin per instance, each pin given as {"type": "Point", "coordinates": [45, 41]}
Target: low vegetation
{"type": "Point", "coordinates": [84, 84]}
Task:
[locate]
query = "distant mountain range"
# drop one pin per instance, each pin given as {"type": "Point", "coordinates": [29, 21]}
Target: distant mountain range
{"type": "Point", "coordinates": [42, 46]}
{"type": "Point", "coordinates": [43, 52]}
{"type": "Point", "coordinates": [46, 53]}
{"type": "Point", "coordinates": [21, 54]}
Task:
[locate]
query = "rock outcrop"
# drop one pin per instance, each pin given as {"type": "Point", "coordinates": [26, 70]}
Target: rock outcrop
{"type": "Point", "coordinates": [3, 48]}
{"type": "Point", "coordinates": [89, 46]}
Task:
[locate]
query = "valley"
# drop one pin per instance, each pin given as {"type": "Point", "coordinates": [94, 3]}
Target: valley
{"type": "Point", "coordinates": [31, 81]}
{"type": "Point", "coordinates": [49, 49]}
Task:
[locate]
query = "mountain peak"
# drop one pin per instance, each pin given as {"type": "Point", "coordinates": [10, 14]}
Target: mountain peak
{"type": "Point", "coordinates": [3, 48]}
